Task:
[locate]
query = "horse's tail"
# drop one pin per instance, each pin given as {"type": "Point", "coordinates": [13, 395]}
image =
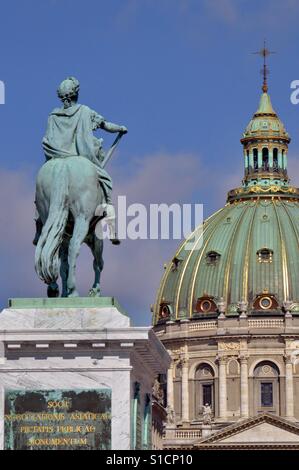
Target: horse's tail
{"type": "Point", "coordinates": [47, 250]}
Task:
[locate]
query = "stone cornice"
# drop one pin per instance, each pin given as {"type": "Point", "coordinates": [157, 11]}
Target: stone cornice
{"type": "Point", "coordinates": [247, 424]}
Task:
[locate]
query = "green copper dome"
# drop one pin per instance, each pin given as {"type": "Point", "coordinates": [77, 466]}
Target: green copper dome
{"type": "Point", "coordinates": [247, 253]}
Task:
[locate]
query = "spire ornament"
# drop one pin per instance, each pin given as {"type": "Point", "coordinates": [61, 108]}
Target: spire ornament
{"type": "Point", "coordinates": [264, 52]}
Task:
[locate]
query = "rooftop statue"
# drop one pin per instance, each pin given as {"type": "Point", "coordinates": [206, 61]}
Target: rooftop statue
{"type": "Point", "coordinates": [73, 191]}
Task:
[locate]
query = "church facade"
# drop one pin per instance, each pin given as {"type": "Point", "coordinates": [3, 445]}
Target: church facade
{"type": "Point", "coordinates": [228, 309]}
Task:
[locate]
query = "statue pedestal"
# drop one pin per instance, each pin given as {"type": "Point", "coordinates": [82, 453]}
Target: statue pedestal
{"type": "Point", "coordinates": [74, 374]}
{"type": "Point", "coordinates": [206, 430]}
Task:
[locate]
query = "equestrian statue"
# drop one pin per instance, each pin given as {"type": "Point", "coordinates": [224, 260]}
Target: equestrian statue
{"type": "Point", "coordinates": [73, 193]}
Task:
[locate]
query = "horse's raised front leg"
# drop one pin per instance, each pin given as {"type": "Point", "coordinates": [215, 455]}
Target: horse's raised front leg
{"type": "Point", "coordinates": [79, 233]}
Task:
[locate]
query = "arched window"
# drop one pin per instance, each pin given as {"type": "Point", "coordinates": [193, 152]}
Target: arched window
{"type": "Point", "coordinates": [212, 257]}
{"type": "Point", "coordinates": [265, 159]}
{"type": "Point", "coordinates": [204, 389]}
{"type": "Point", "coordinates": [255, 159]}
{"type": "Point", "coordinates": [275, 159]}
{"type": "Point", "coordinates": [165, 311]}
{"type": "Point", "coordinates": [205, 304]}
{"type": "Point", "coordinates": [265, 301]}
{"type": "Point", "coordinates": [265, 255]}
{"type": "Point", "coordinates": [266, 388]}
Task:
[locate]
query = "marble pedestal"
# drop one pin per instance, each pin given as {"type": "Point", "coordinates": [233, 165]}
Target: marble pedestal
{"type": "Point", "coordinates": [81, 343]}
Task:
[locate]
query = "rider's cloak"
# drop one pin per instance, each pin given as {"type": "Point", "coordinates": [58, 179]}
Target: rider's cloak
{"type": "Point", "coordinates": [70, 133]}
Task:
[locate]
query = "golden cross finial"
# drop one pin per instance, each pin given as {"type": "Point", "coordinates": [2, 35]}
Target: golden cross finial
{"type": "Point", "coordinates": [264, 52]}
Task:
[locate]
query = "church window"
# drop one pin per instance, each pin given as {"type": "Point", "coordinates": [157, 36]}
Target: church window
{"type": "Point", "coordinates": [255, 159]}
{"type": "Point", "coordinates": [266, 393]}
{"type": "Point", "coordinates": [265, 157]}
{"type": "Point", "coordinates": [212, 257]}
{"type": "Point", "coordinates": [203, 389]}
{"type": "Point", "coordinates": [275, 159]}
{"type": "Point", "coordinates": [264, 255]}
{"type": "Point", "coordinates": [265, 303]}
{"type": "Point", "coordinates": [165, 311]}
{"type": "Point", "coordinates": [175, 263]}
{"type": "Point", "coordinates": [207, 394]}
{"type": "Point", "coordinates": [266, 387]}
{"type": "Point", "coordinates": [206, 304]}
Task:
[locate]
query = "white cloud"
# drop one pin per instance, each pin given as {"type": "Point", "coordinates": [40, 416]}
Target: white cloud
{"type": "Point", "coordinates": [160, 178]}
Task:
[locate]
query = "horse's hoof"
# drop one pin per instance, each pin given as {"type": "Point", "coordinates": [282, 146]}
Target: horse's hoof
{"type": "Point", "coordinates": [74, 293]}
{"type": "Point", "coordinates": [53, 290]}
{"type": "Point", "coordinates": [94, 292]}
{"type": "Point", "coordinates": [115, 241]}
{"type": "Point", "coordinates": [35, 240]}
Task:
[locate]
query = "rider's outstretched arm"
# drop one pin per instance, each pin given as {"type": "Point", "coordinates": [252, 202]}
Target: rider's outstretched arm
{"type": "Point", "coordinates": [110, 127]}
{"type": "Point", "coordinates": [99, 122]}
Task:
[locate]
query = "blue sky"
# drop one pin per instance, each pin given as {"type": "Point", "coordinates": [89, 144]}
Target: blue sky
{"type": "Point", "coordinates": [178, 73]}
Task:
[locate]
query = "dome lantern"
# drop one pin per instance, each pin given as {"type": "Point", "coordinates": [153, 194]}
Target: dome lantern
{"type": "Point", "coordinates": [265, 142]}
{"type": "Point", "coordinates": [265, 147]}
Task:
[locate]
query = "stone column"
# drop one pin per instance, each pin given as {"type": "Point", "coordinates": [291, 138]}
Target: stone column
{"type": "Point", "coordinates": [289, 387]}
{"type": "Point", "coordinates": [246, 162]}
{"type": "Point", "coordinates": [251, 160]}
{"type": "Point", "coordinates": [285, 160]}
{"type": "Point", "coordinates": [185, 390]}
{"type": "Point", "coordinates": [170, 391]}
{"type": "Point", "coordinates": [260, 159]}
{"type": "Point", "coordinates": [222, 387]}
{"type": "Point", "coordinates": [280, 159]}
{"type": "Point", "coordinates": [244, 401]}
{"type": "Point", "coordinates": [270, 158]}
